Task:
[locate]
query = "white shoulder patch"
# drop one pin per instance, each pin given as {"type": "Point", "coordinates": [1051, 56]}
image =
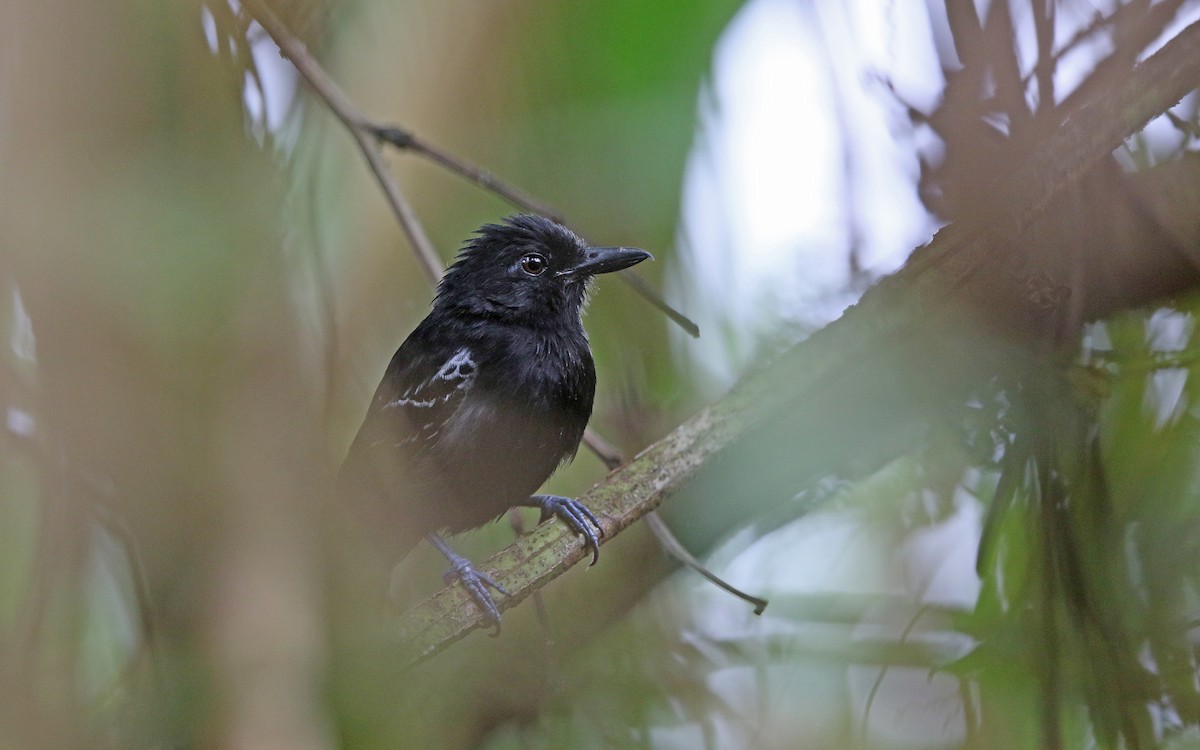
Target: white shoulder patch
{"type": "Point", "coordinates": [455, 375]}
{"type": "Point", "coordinates": [459, 367]}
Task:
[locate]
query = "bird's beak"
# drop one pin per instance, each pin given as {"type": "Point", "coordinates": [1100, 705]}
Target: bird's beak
{"type": "Point", "coordinates": [606, 260]}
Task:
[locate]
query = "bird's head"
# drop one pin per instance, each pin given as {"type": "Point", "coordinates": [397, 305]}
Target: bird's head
{"type": "Point", "coordinates": [527, 268]}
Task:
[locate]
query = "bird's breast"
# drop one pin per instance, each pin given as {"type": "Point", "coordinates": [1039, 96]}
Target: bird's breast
{"type": "Point", "coordinates": [548, 371]}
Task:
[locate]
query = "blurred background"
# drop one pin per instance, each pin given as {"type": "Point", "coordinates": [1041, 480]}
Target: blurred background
{"type": "Point", "coordinates": [980, 530]}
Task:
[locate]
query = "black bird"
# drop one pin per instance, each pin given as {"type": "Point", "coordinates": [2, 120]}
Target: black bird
{"type": "Point", "coordinates": [487, 396]}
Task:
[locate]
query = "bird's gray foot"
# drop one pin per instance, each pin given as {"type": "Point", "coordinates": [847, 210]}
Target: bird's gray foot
{"type": "Point", "coordinates": [574, 514]}
{"type": "Point", "coordinates": [476, 583]}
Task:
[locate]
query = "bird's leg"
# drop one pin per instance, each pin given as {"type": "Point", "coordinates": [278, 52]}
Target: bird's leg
{"type": "Point", "coordinates": [574, 514]}
{"type": "Point", "coordinates": [473, 581]}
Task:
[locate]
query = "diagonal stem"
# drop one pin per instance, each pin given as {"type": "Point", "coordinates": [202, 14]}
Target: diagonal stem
{"type": "Point", "coordinates": [359, 127]}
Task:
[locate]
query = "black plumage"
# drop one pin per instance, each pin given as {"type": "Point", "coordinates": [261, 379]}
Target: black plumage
{"type": "Point", "coordinates": [487, 396]}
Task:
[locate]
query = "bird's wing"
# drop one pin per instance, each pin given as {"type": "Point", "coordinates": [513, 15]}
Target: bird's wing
{"type": "Point", "coordinates": [420, 392]}
{"type": "Point", "coordinates": [388, 469]}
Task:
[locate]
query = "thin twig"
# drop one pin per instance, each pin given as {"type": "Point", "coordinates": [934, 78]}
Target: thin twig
{"type": "Point", "coordinates": [647, 293]}
{"type": "Point", "coordinates": [406, 141]}
{"type": "Point", "coordinates": [359, 127]}
{"type": "Point", "coordinates": [604, 450]}
{"type": "Point", "coordinates": [864, 724]}
{"type": "Point", "coordinates": [676, 549]}
{"type": "Point", "coordinates": [667, 539]}
{"type": "Point", "coordinates": [430, 262]}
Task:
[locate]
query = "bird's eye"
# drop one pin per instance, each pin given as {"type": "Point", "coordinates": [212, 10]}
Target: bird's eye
{"type": "Point", "coordinates": [534, 264]}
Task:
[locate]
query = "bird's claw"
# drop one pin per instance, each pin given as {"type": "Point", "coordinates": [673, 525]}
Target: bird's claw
{"type": "Point", "coordinates": [477, 585]}
{"type": "Point", "coordinates": [575, 515]}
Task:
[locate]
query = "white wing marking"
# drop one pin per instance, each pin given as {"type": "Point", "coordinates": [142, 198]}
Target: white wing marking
{"type": "Point", "coordinates": [455, 375]}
